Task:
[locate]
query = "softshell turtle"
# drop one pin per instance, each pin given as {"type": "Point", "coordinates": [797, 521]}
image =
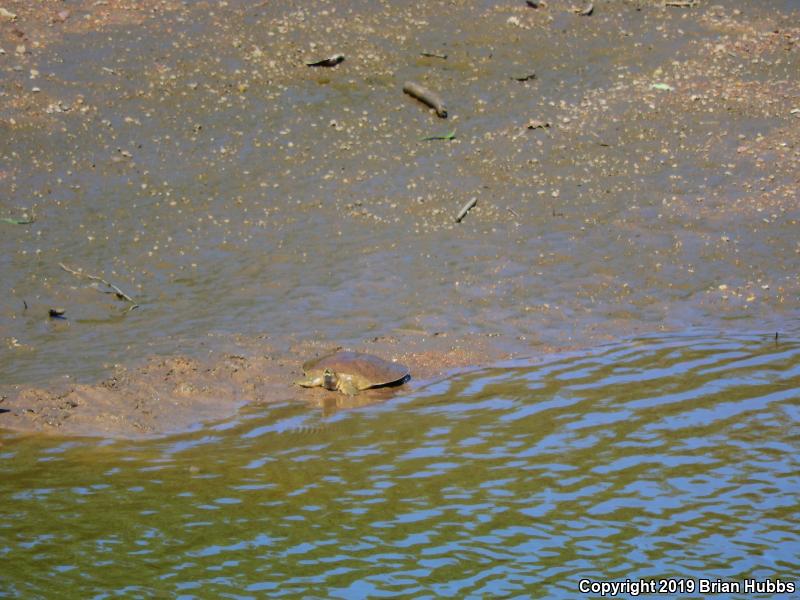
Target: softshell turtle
{"type": "Point", "coordinates": [351, 372]}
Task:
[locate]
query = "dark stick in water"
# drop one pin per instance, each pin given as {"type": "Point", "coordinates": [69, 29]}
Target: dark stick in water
{"type": "Point", "coordinates": [327, 62]}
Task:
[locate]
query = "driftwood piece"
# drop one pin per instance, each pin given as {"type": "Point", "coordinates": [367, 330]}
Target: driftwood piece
{"type": "Point", "coordinates": [465, 209]}
{"type": "Point", "coordinates": [426, 96]}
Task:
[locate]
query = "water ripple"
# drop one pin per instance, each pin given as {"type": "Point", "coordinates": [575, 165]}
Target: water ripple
{"type": "Point", "coordinates": [673, 456]}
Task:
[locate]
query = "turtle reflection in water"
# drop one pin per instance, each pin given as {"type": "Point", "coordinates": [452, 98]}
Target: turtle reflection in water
{"type": "Point", "coordinates": [352, 372]}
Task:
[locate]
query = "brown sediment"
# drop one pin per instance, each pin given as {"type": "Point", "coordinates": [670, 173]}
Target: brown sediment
{"type": "Point", "coordinates": [171, 394]}
{"type": "Point", "coordinates": [44, 21]}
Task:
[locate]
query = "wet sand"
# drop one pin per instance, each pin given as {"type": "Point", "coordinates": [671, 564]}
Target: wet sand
{"type": "Point", "coordinates": [260, 211]}
{"type": "Point", "coordinates": [175, 394]}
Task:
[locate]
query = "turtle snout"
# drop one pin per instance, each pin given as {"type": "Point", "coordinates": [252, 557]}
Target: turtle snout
{"type": "Point", "coordinates": [329, 380]}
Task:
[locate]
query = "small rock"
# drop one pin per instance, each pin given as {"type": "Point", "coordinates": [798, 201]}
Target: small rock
{"type": "Point", "coordinates": [537, 124]}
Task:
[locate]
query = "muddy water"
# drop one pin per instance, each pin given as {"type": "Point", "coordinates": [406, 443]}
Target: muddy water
{"type": "Point", "coordinates": [659, 457]}
{"type": "Point", "coordinates": [186, 154]}
{"type": "Point", "coordinates": [197, 163]}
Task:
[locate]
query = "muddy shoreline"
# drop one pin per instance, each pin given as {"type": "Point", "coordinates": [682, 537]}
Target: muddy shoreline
{"type": "Point", "coordinates": [173, 394]}
{"type": "Point", "coordinates": [260, 212]}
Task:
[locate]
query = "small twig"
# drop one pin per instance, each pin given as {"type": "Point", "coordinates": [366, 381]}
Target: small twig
{"type": "Point", "coordinates": [433, 55]}
{"type": "Point", "coordinates": [681, 3]}
{"type": "Point", "coordinates": [115, 290]}
{"type": "Point", "coordinates": [512, 211]}
{"type": "Point", "coordinates": [465, 209]}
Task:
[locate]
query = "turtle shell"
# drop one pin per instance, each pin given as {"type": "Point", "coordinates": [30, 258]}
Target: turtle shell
{"type": "Point", "coordinates": [365, 370]}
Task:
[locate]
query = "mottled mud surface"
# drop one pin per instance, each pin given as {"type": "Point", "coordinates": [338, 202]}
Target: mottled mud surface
{"type": "Point", "coordinates": [177, 393]}
{"type": "Point", "coordinates": [259, 211]}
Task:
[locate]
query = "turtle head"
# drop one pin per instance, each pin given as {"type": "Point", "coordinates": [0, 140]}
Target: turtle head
{"type": "Point", "coordinates": [329, 380]}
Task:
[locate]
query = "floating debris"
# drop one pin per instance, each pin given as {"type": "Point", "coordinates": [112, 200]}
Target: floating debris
{"type": "Point", "coordinates": [433, 55]}
{"type": "Point", "coordinates": [113, 288]}
{"type": "Point", "coordinates": [444, 136]}
{"type": "Point", "coordinates": [7, 14]}
{"type": "Point", "coordinates": [57, 313]}
{"type": "Point", "coordinates": [331, 61]}
{"type": "Point", "coordinates": [681, 3]}
{"type": "Point", "coordinates": [533, 3]}
{"type": "Point", "coordinates": [665, 87]}
{"type": "Point", "coordinates": [525, 77]}
{"type": "Point", "coordinates": [426, 96]}
{"type": "Point", "coordinates": [24, 220]}
{"type": "Point", "coordinates": [465, 209]}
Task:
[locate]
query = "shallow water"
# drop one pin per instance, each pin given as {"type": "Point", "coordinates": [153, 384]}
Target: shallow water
{"type": "Point", "coordinates": [230, 189]}
{"type": "Point", "coordinates": [659, 457]}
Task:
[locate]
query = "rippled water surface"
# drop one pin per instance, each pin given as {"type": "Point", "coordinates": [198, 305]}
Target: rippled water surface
{"type": "Point", "coordinates": [674, 456]}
